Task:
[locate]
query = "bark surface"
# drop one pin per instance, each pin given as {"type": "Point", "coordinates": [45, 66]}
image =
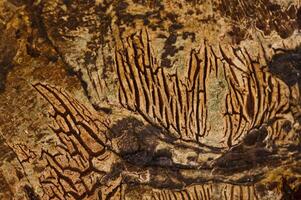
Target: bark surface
{"type": "Point", "coordinates": [140, 99]}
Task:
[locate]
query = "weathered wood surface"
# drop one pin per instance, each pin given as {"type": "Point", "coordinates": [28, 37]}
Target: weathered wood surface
{"type": "Point", "coordinates": [148, 99]}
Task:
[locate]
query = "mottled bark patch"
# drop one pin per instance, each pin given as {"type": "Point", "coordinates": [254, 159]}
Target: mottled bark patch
{"type": "Point", "coordinates": [263, 14]}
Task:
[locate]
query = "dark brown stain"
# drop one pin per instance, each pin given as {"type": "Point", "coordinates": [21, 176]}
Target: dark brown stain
{"type": "Point", "coordinates": [125, 18]}
{"type": "Point", "coordinates": [288, 192]}
{"type": "Point", "coordinates": [299, 17]}
{"type": "Point", "coordinates": [246, 155]}
{"type": "Point", "coordinates": [102, 109]}
{"type": "Point", "coordinates": [287, 126]}
{"type": "Point", "coordinates": [4, 186]}
{"type": "Point", "coordinates": [20, 174]}
{"type": "Point", "coordinates": [170, 49]}
{"type": "Point", "coordinates": [236, 161]}
{"type": "Point", "coordinates": [285, 64]}
{"type": "Point", "coordinates": [272, 185]}
{"type": "Point", "coordinates": [261, 189]}
{"type": "Point", "coordinates": [255, 136]}
{"type": "Point", "coordinates": [237, 34]}
{"type": "Point", "coordinates": [30, 193]}
{"type": "Point", "coordinates": [17, 2]}
{"type": "Point", "coordinates": [8, 48]}
{"type": "Point", "coordinates": [297, 193]}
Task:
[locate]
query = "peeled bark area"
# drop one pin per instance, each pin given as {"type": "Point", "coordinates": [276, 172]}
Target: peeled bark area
{"type": "Point", "coordinates": [150, 99]}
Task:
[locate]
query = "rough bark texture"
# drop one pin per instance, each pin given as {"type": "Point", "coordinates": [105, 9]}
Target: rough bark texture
{"type": "Point", "coordinates": [140, 99]}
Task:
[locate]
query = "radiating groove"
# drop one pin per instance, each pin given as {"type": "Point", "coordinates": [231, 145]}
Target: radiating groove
{"type": "Point", "coordinates": [67, 170]}
{"type": "Point", "coordinates": [182, 103]}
